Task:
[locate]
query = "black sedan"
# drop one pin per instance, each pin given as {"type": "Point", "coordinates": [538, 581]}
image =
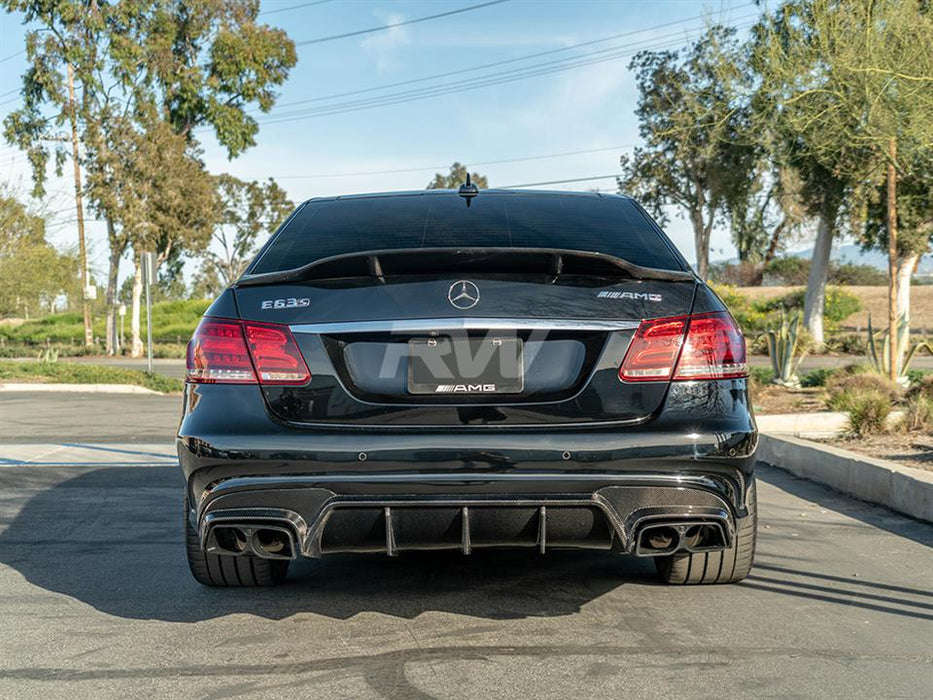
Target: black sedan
{"type": "Point", "coordinates": [468, 369]}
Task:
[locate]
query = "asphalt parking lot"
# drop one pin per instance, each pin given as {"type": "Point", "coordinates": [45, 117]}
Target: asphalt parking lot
{"type": "Point", "coordinates": [96, 600]}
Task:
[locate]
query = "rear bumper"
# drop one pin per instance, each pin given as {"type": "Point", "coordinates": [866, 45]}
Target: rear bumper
{"type": "Point", "coordinates": [339, 514]}
{"type": "Point", "coordinates": [344, 490]}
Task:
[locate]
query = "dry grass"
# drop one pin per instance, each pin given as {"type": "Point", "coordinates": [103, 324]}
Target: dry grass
{"type": "Point", "coordinates": [874, 300]}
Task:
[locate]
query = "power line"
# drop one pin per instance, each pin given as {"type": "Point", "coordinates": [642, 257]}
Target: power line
{"type": "Point", "coordinates": [558, 182]}
{"type": "Point", "coordinates": [601, 56]}
{"type": "Point", "coordinates": [293, 7]}
{"type": "Point", "coordinates": [471, 164]}
{"type": "Point", "coordinates": [360, 32]}
{"type": "Point", "coordinates": [495, 64]}
{"type": "Point", "coordinates": [12, 56]}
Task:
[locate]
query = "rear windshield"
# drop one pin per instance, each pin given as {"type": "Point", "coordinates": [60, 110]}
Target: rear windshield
{"type": "Point", "coordinates": [611, 225]}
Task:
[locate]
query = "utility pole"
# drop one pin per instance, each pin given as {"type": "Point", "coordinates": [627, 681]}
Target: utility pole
{"type": "Point", "coordinates": [79, 205]}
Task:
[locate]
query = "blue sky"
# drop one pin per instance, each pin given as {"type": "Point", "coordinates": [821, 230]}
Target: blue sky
{"type": "Point", "coordinates": [588, 108]}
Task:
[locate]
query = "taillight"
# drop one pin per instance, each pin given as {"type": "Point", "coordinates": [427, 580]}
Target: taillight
{"type": "Point", "coordinates": [217, 354]}
{"type": "Point", "coordinates": [652, 355]}
{"type": "Point", "coordinates": [707, 346]}
{"type": "Point", "coordinates": [715, 349]}
{"type": "Point", "coordinates": [223, 351]}
{"type": "Point", "coordinates": [275, 354]}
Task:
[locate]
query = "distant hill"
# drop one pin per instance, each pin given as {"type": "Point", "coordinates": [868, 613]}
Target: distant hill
{"type": "Point", "coordinates": [852, 253]}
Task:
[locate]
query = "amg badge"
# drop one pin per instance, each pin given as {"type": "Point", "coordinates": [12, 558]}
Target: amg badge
{"type": "Point", "coordinates": [465, 389]}
{"type": "Point", "coordinates": [606, 294]}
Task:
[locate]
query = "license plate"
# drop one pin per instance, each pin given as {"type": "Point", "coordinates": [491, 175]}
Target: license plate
{"type": "Point", "coordinates": [465, 367]}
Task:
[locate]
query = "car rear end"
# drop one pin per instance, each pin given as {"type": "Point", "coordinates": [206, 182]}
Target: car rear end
{"type": "Point", "coordinates": [428, 371]}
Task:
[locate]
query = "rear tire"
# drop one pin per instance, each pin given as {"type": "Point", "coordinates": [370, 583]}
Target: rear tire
{"type": "Point", "coordinates": [727, 566]}
{"type": "Point", "coordinates": [228, 571]}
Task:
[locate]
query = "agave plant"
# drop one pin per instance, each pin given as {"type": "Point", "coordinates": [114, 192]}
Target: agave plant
{"type": "Point", "coordinates": [48, 355]}
{"type": "Point", "coordinates": [879, 350]}
{"type": "Point", "coordinates": [782, 348]}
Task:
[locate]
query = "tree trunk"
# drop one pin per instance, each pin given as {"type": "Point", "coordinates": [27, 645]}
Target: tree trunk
{"type": "Point", "coordinates": [770, 253]}
{"type": "Point", "coordinates": [112, 277]}
{"type": "Point", "coordinates": [819, 273]}
{"type": "Point", "coordinates": [136, 343]}
{"type": "Point", "coordinates": [893, 358]}
{"type": "Point", "coordinates": [700, 242]}
{"type": "Point", "coordinates": [906, 266]}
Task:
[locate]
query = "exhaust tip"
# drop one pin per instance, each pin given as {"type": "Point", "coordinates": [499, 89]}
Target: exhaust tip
{"type": "Point", "coordinates": [230, 539]}
{"type": "Point", "coordinates": [273, 543]}
{"type": "Point", "coordinates": [704, 538]}
{"type": "Point", "coordinates": [662, 539]}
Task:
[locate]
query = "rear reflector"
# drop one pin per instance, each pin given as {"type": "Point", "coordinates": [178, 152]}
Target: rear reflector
{"type": "Point", "coordinates": [224, 351]}
{"type": "Point", "coordinates": [707, 346]}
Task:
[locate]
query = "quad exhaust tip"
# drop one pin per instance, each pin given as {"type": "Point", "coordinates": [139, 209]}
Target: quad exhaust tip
{"type": "Point", "coordinates": [266, 541]}
{"type": "Point", "coordinates": [661, 539]}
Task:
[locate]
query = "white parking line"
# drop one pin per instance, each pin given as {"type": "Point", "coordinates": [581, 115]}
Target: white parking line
{"type": "Point", "coordinates": [86, 454]}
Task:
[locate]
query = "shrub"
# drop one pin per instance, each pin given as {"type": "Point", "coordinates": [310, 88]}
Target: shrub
{"type": "Point", "coordinates": [859, 275]}
{"type": "Point", "coordinates": [868, 412]}
{"type": "Point", "coordinates": [172, 321]}
{"type": "Point", "coordinates": [918, 414]}
{"type": "Point", "coordinates": [847, 385]}
{"type": "Point", "coordinates": [848, 343]}
{"type": "Point", "coordinates": [82, 373]}
{"type": "Point", "coordinates": [921, 385]}
{"type": "Point", "coordinates": [760, 375]}
{"type": "Point", "coordinates": [746, 314]}
{"type": "Point", "coordinates": [789, 271]}
{"type": "Point", "coordinates": [742, 274]}
{"type": "Point", "coordinates": [839, 305]}
{"type": "Point", "coordinates": [816, 377]}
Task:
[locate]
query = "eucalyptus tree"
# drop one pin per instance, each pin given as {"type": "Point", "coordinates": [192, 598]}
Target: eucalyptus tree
{"type": "Point", "coordinates": [456, 177]}
{"type": "Point", "coordinates": [246, 211]}
{"type": "Point", "coordinates": [914, 225]}
{"type": "Point", "coordinates": [32, 272]}
{"type": "Point", "coordinates": [62, 47]}
{"type": "Point", "coordinates": [192, 63]}
{"type": "Point", "coordinates": [855, 82]}
{"type": "Point", "coordinates": [694, 119]}
{"type": "Point", "coordinates": [151, 180]}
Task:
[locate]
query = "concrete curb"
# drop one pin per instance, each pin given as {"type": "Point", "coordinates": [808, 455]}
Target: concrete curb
{"type": "Point", "coordinates": [903, 489]}
{"type": "Point", "coordinates": [824, 424]}
{"type": "Point", "coordinates": [817, 425]}
{"type": "Point", "coordinates": [78, 388]}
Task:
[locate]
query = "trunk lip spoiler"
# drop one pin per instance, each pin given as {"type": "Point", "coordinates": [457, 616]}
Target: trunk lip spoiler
{"type": "Point", "coordinates": [415, 325]}
{"type": "Point", "coordinates": [374, 258]}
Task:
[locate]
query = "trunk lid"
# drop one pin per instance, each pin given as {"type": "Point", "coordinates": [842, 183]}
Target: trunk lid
{"type": "Point", "coordinates": [360, 321]}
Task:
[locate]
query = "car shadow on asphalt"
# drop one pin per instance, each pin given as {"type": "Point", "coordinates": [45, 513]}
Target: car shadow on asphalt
{"type": "Point", "coordinates": [803, 576]}
{"type": "Point", "coordinates": [870, 514]}
{"type": "Point", "coordinates": [112, 538]}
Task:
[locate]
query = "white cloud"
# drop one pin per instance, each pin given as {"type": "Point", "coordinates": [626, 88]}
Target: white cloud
{"type": "Point", "coordinates": [383, 45]}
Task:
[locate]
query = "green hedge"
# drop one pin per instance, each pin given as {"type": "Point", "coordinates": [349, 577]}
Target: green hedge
{"type": "Point", "coordinates": [79, 373]}
{"type": "Point", "coordinates": [761, 315]}
{"type": "Point", "coordinates": [172, 322]}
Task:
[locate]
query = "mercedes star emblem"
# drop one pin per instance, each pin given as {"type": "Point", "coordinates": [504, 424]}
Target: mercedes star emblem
{"type": "Point", "coordinates": [463, 295]}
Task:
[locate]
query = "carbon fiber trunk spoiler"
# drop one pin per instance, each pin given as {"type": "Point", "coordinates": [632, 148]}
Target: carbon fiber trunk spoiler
{"type": "Point", "coordinates": [379, 264]}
